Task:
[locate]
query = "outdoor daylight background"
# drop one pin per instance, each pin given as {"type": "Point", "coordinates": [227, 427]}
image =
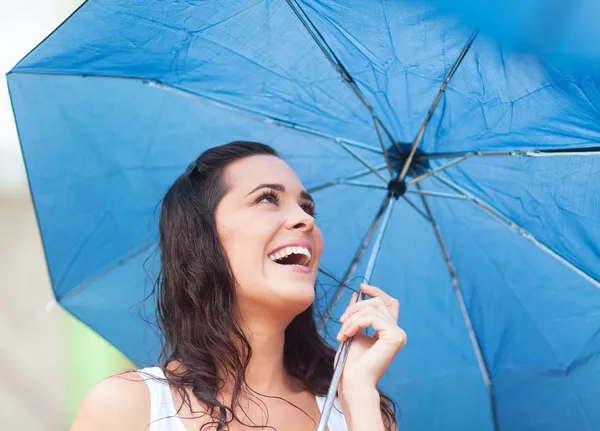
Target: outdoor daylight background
{"type": "Point", "coordinates": [48, 359]}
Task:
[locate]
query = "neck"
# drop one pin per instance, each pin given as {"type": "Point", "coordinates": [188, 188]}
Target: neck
{"type": "Point", "coordinates": [266, 373]}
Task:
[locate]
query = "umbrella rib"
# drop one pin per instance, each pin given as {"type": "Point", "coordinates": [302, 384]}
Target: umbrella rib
{"type": "Point", "coordinates": [364, 147]}
{"type": "Point", "coordinates": [483, 367]}
{"type": "Point", "coordinates": [366, 185]}
{"type": "Point", "coordinates": [120, 262]}
{"type": "Point", "coordinates": [490, 210]}
{"type": "Point", "coordinates": [372, 149]}
{"type": "Point", "coordinates": [344, 143]}
{"type": "Point", "coordinates": [434, 105]}
{"type": "Point", "coordinates": [435, 171]}
{"type": "Point", "coordinates": [316, 35]}
{"type": "Point", "coordinates": [344, 180]}
{"type": "Point", "coordinates": [257, 115]}
{"type": "Point", "coordinates": [364, 162]}
{"type": "Point", "coordinates": [567, 152]}
{"type": "Point", "coordinates": [412, 204]}
{"type": "Point", "coordinates": [436, 194]}
{"type": "Point", "coordinates": [385, 153]}
{"type": "Point", "coordinates": [355, 261]}
{"type": "Point", "coordinates": [250, 113]}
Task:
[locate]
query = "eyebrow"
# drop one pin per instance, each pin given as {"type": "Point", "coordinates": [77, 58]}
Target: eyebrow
{"type": "Point", "coordinates": [280, 188]}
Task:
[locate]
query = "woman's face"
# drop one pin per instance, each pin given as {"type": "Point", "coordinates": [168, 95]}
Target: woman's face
{"type": "Point", "coordinates": [266, 226]}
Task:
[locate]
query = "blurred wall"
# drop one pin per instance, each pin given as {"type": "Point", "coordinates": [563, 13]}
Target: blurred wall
{"type": "Point", "coordinates": [33, 380]}
{"type": "Point", "coordinates": [48, 360]}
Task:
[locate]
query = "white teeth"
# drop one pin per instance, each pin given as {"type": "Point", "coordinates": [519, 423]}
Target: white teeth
{"type": "Point", "coordinates": [284, 252]}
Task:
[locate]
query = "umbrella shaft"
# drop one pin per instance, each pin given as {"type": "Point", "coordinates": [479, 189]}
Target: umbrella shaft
{"type": "Point", "coordinates": [339, 366]}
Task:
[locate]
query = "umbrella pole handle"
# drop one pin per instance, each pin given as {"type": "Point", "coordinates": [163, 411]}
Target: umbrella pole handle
{"type": "Point", "coordinates": [339, 366]}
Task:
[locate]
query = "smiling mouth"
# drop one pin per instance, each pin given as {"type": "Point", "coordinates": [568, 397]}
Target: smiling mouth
{"type": "Point", "coordinates": [291, 256]}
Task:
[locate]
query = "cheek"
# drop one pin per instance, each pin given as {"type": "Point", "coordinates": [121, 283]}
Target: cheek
{"type": "Point", "coordinates": [318, 242]}
{"type": "Point", "coordinates": [245, 243]}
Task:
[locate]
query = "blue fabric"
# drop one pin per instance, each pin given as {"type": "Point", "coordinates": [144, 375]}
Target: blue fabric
{"type": "Point", "coordinates": [565, 32]}
{"type": "Point", "coordinates": [114, 105]}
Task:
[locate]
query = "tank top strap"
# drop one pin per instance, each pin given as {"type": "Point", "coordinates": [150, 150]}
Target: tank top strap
{"type": "Point", "coordinates": [337, 421]}
{"type": "Point", "coordinates": [163, 414]}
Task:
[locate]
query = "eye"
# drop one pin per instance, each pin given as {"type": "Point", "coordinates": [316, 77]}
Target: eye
{"type": "Point", "coordinates": [309, 209]}
{"type": "Point", "coordinates": [268, 196]}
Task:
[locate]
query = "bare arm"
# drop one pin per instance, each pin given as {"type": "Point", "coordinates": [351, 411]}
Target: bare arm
{"type": "Point", "coordinates": [118, 403]}
{"type": "Point", "coordinates": [362, 410]}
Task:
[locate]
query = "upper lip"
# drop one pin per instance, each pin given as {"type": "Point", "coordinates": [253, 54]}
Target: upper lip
{"type": "Point", "coordinates": [296, 243]}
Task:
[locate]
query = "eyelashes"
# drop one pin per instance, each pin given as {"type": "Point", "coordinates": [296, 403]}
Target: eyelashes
{"type": "Point", "coordinates": [309, 209]}
{"type": "Point", "coordinates": [272, 197]}
{"type": "Point", "coordinates": [269, 196]}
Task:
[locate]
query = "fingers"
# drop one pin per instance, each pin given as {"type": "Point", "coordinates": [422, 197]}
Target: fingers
{"type": "Point", "coordinates": [385, 328]}
{"type": "Point", "coordinates": [391, 303]}
{"type": "Point", "coordinates": [380, 300]}
{"type": "Point", "coordinates": [376, 303]}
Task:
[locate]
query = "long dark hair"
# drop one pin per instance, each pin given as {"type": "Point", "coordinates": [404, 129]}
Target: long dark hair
{"type": "Point", "coordinates": [196, 297]}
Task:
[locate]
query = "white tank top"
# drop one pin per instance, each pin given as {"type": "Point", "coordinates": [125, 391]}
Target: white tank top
{"type": "Point", "coordinates": [163, 414]}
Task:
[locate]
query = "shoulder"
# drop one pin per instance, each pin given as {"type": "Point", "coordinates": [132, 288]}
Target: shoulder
{"type": "Point", "coordinates": [119, 402]}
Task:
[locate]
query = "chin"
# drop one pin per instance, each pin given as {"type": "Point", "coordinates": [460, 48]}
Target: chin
{"type": "Point", "coordinates": [295, 294]}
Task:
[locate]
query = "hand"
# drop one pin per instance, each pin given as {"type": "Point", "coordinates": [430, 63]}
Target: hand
{"type": "Point", "coordinates": [369, 356]}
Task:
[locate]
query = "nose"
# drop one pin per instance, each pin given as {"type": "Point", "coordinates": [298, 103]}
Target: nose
{"type": "Point", "coordinates": [300, 220]}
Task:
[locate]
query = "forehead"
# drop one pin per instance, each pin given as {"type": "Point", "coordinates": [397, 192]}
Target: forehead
{"type": "Point", "coordinates": [247, 173]}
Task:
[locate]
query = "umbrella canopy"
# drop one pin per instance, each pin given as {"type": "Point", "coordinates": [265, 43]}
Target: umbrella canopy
{"type": "Point", "coordinates": [564, 31]}
{"type": "Point", "coordinates": [493, 250]}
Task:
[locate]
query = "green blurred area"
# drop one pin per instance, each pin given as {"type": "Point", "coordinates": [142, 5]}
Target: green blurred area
{"type": "Point", "coordinates": [90, 359]}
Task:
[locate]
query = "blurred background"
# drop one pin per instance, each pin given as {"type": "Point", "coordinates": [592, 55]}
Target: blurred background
{"type": "Point", "coordinates": [49, 359]}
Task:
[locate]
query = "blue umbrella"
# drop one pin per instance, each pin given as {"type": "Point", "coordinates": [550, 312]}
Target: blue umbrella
{"type": "Point", "coordinates": [489, 159]}
{"type": "Point", "coordinates": [564, 31]}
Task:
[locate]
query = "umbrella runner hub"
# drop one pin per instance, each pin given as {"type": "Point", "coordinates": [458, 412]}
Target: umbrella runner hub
{"type": "Point", "coordinates": [397, 188]}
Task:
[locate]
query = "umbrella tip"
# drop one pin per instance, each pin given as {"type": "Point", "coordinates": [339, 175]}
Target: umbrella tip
{"type": "Point", "coordinates": [50, 305]}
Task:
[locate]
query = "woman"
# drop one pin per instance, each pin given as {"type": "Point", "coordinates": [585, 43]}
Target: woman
{"type": "Point", "coordinates": [239, 258]}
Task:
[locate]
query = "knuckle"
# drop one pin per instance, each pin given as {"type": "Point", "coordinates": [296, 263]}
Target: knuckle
{"type": "Point", "coordinates": [401, 337]}
{"type": "Point", "coordinates": [360, 313]}
{"type": "Point", "coordinates": [363, 316]}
